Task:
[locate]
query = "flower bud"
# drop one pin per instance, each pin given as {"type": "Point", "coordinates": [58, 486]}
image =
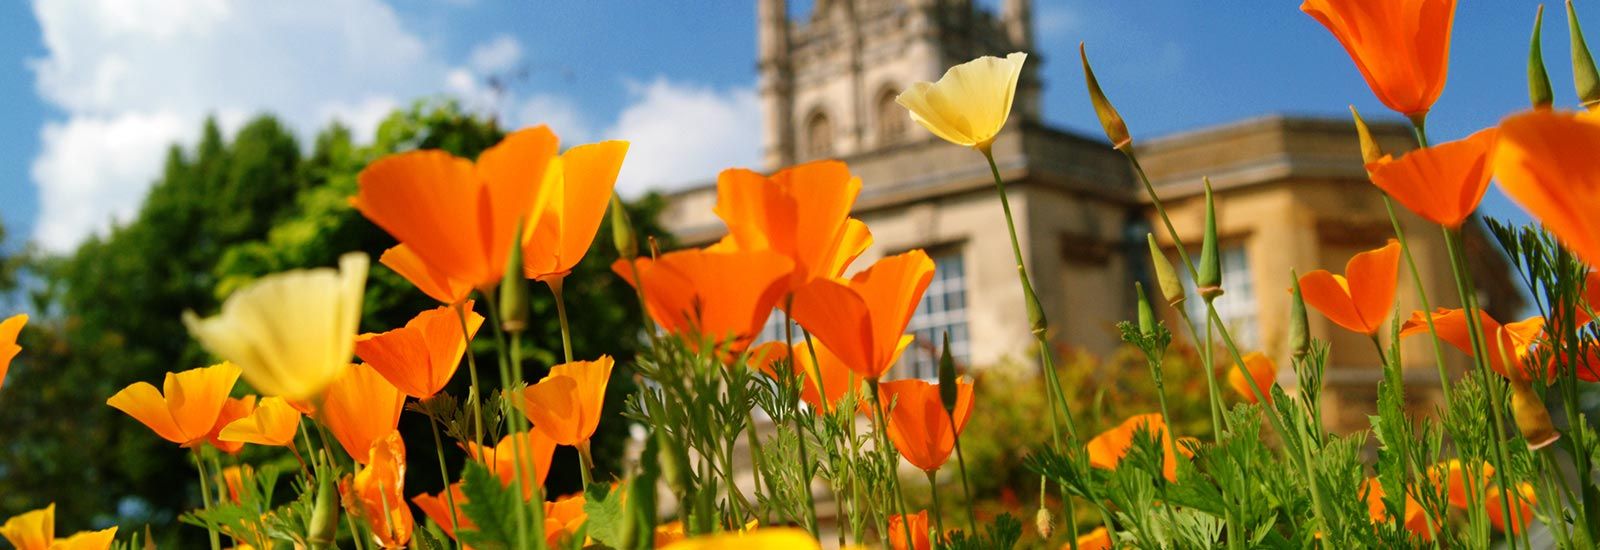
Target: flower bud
{"type": "Point", "coordinates": [1370, 151]}
{"type": "Point", "coordinates": [1299, 326]}
{"type": "Point", "coordinates": [1044, 523]}
{"type": "Point", "coordinates": [1110, 121]}
{"type": "Point", "coordinates": [1166, 276]}
{"type": "Point", "coordinates": [1584, 76]}
{"type": "Point", "coordinates": [947, 376]}
{"type": "Point", "coordinates": [622, 234]}
{"type": "Point", "coordinates": [514, 289]}
{"type": "Point", "coordinates": [1036, 319]}
{"type": "Point", "coordinates": [1147, 316]}
{"type": "Point", "coordinates": [1533, 420]}
{"type": "Point", "coordinates": [324, 513]}
{"type": "Point", "coordinates": [1208, 282]}
{"type": "Point", "coordinates": [1538, 80]}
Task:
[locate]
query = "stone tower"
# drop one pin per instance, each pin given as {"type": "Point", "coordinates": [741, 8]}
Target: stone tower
{"type": "Point", "coordinates": [828, 83]}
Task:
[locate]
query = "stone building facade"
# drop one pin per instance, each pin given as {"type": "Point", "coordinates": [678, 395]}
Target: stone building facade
{"type": "Point", "coordinates": [1292, 194]}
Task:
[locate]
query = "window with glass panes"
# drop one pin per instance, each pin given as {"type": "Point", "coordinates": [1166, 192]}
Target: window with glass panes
{"type": "Point", "coordinates": [1237, 305]}
{"type": "Point", "coordinates": [943, 309]}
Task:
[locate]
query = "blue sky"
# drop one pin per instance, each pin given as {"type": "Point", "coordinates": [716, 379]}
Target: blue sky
{"type": "Point", "coordinates": [91, 92]}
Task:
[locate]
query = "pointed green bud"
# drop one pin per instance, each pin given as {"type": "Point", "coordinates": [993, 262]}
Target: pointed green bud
{"type": "Point", "coordinates": [1584, 76]}
{"type": "Point", "coordinates": [1299, 326]}
{"type": "Point", "coordinates": [1036, 319]}
{"type": "Point", "coordinates": [622, 234]}
{"type": "Point", "coordinates": [325, 512]}
{"type": "Point", "coordinates": [1166, 276]}
{"type": "Point", "coordinates": [1110, 121]}
{"type": "Point", "coordinates": [1147, 316]}
{"type": "Point", "coordinates": [1208, 283]}
{"type": "Point", "coordinates": [1538, 80]}
{"type": "Point", "coordinates": [1370, 151]}
{"type": "Point", "coordinates": [514, 289]}
{"type": "Point", "coordinates": [947, 376]}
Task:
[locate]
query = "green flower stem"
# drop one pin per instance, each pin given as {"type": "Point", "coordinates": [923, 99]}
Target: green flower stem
{"type": "Point", "coordinates": [444, 475]}
{"type": "Point", "coordinates": [966, 488]}
{"type": "Point", "coordinates": [1218, 422]}
{"type": "Point", "coordinates": [938, 510]}
{"type": "Point", "coordinates": [1422, 295]}
{"type": "Point", "coordinates": [555, 284]}
{"type": "Point", "coordinates": [472, 370]}
{"type": "Point", "coordinates": [507, 386]}
{"type": "Point", "coordinates": [586, 462]}
{"type": "Point", "coordinates": [205, 494]}
{"type": "Point", "coordinates": [882, 430]}
{"type": "Point", "coordinates": [799, 433]}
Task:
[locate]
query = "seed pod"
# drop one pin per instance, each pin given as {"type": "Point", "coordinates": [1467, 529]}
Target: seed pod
{"type": "Point", "coordinates": [1370, 151]}
{"type": "Point", "coordinates": [1110, 121]}
{"type": "Point", "coordinates": [1533, 420]}
{"type": "Point", "coordinates": [1147, 316]}
{"type": "Point", "coordinates": [514, 289]}
{"type": "Point", "coordinates": [947, 376]}
{"type": "Point", "coordinates": [1166, 276]}
{"type": "Point", "coordinates": [1584, 76]}
{"type": "Point", "coordinates": [1208, 283]}
{"type": "Point", "coordinates": [1538, 80]}
{"type": "Point", "coordinates": [622, 234]}
{"type": "Point", "coordinates": [1299, 326]}
{"type": "Point", "coordinates": [325, 513]}
{"type": "Point", "coordinates": [1044, 523]}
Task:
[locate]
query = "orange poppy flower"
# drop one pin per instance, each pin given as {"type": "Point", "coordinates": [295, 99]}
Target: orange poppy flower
{"type": "Point", "coordinates": [835, 378]}
{"type": "Point", "coordinates": [1523, 500]}
{"type": "Point", "coordinates": [459, 218]}
{"type": "Point", "coordinates": [187, 407]}
{"type": "Point", "coordinates": [233, 478]}
{"type": "Point", "coordinates": [1415, 518]}
{"type": "Point", "coordinates": [1546, 163]}
{"type": "Point", "coordinates": [918, 425]}
{"type": "Point", "coordinates": [1453, 475]}
{"type": "Point", "coordinates": [563, 518]}
{"type": "Point", "coordinates": [273, 423]}
{"type": "Point", "coordinates": [87, 540]}
{"type": "Point", "coordinates": [1107, 449]}
{"type": "Point", "coordinates": [34, 530]}
{"type": "Point", "coordinates": [430, 281]}
{"type": "Point", "coordinates": [1442, 183]}
{"type": "Point", "coordinates": [862, 320]}
{"type": "Point", "coordinates": [232, 409]}
{"type": "Point", "coordinates": [802, 212]}
{"type": "Point", "coordinates": [1263, 371]}
{"type": "Point", "coordinates": [1098, 539]}
{"type": "Point", "coordinates": [421, 357]}
{"type": "Point", "coordinates": [437, 508]}
{"type": "Point", "coordinates": [1360, 299]}
{"type": "Point", "coordinates": [502, 459]}
{"type": "Point", "coordinates": [360, 409]}
{"type": "Point", "coordinates": [579, 185]}
{"type": "Point", "coordinates": [565, 405]}
{"type": "Point", "coordinates": [1510, 346]}
{"type": "Point", "coordinates": [9, 330]}
{"type": "Point", "coordinates": [919, 532]}
{"type": "Point", "coordinates": [1402, 47]}
{"type": "Point", "coordinates": [724, 296]}
{"type": "Point", "coordinates": [377, 495]}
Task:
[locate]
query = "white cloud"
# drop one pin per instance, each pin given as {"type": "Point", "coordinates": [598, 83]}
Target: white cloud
{"type": "Point", "coordinates": [684, 134]}
{"type": "Point", "coordinates": [559, 113]}
{"type": "Point", "coordinates": [98, 169]}
{"type": "Point", "coordinates": [497, 55]}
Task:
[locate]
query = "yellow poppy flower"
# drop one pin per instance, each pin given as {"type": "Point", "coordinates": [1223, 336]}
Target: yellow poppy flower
{"type": "Point", "coordinates": [968, 105]}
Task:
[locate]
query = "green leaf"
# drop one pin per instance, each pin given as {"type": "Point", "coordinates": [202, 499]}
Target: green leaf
{"type": "Point", "coordinates": [491, 507]}
{"type": "Point", "coordinates": [606, 516]}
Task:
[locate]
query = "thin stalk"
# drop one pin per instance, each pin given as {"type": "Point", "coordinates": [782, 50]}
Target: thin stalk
{"type": "Point", "coordinates": [1238, 363]}
{"type": "Point", "coordinates": [1422, 295]}
{"type": "Point", "coordinates": [894, 462]}
{"type": "Point", "coordinates": [799, 433]}
{"type": "Point", "coordinates": [938, 511]}
{"type": "Point", "coordinates": [444, 475]}
{"type": "Point", "coordinates": [519, 484]}
{"type": "Point", "coordinates": [555, 284]}
{"type": "Point", "coordinates": [587, 463]}
{"type": "Point", "coordinates": [966, 488]}
{"type": "Point", "coordinates": [1208, 363]}
{"type": "Point", "coordinates": [205, 495]}
{"type": "Point", "coordinates": [472, 369]}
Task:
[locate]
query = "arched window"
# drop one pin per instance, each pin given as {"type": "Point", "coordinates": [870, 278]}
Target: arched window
{"type": "Point", "coordinates": [891, 118]}
{"type": "Point", "coordinates": [819, 136]}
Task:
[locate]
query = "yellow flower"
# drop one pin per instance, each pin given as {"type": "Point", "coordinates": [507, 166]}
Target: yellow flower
{"type": "Point", "coordinates": [87, 540]}
{"type": "Point", "coordinates": [970, 103]}
{"type": "Point", "coordinates": [292, 333]}
{"type": "Point", "coordinates": [31, 530]}
{"type": "Point", "coordinates": [780, 538]}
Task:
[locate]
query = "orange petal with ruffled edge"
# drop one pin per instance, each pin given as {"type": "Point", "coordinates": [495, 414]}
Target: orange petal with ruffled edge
{"type": "Point", "coordinates": [9, 330]}
{"type": "Point", "coordinates": [919, 532]}
{"type": "Point", "coordinates": [723, 296]}
{"type": "Point", "coordinates": [1360, 299]}
{"type": "Point", "coordinates": [862, 320]}
{"type": "Point", "coordinates": [436, 284]}
{"type": "Point", "coordinates": [1522, 501]}
{"type": "Point", "coordinates": [187, 408]}
{"type": "Point", "coordinates": [273, 423]}
{"type": "Point", "coordinates": [1546, 162]}
{"type": "Point", "coordinates": [563, 518]}
{"type": "Point", "coordinates": [1107, 449]}
{"type": "Point", "coordinates": [421, 357]}
{"type": "Point", "coordinates": [1443, 183]}
{"type": "Point", "coordinates": [1263, 371]}
{"type": "Point", "coordinates": [1415, 517]}
{"type": "Point", "coordinates": [580, 183]}
{"type": "Point", "coordinates": [1509, 346]}
{"type": "Point", "coordinates": [232, 409]}
{"type": "Point", "coordinates": [437, 508]}
{"type": "Point", "coordinates": [1401, 47]}
{"type": "Point", "coordinates": [360, 408]}
{"type": "Point", "coordinates": [565, 405]}
{"type": "Point", "coordinates": [1097, 539]}
{"type": "Point", "coordinates": [379, 491]}
{"type": "Point", "coordinates": [537, 451]}
{"type": "Point", "coordinates": [919, 427]}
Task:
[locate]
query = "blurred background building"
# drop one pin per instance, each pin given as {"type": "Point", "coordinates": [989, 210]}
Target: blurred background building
{"type": "Point", "coordinates": [1292, 194]}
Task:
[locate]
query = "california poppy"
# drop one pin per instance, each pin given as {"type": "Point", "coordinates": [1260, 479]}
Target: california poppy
{"type": "Point", "coordinates": [723, 296]}
{"type": "Point", "coordinates": [273, 422]}
{"type": "Point", "coordinates": [1510, 346]}
{"type": "Point", "coordinates": [436, 284]}
{"type": "Point", "coordinates": [232, 409]}
{"type": "Point", "coordinates": [1522, 501]}
{"type": "Point", "coordinates": [9, 329]}
{"type": "Point", "coordinates": [563, 518]}
{"type": "Point", "coordinates": [1442, 183]}
{"type": "Point", "coordinates": [919, 427]}
{"type": "Point", "coordinates": [1098, 539]}
{"type": "Point", "coordinates": [969, 105]}
{"type": "Point", "coordinates": [421, 357]}
{"type": "Point", "coordinates": [437, 508]}
{"type": "Point", "coordinates": [537, 450]}
{"type": "Point", "coordinates": [87, 540]}
{"type": "Point", "coordinates": [361, 408]}
{"type": "Point", "coordinates": [234, 478]}
{"type": "Point", "coordinates": [377, 495]}
{"type": "Point", "coordinates": [1402, 47]}
{"type": "Point", "coordinates": [291, 333]}
{"type": "Point", "coordinates": [1263, 371]}
{"type": "Point", "coordinates": [1546, 163]}
{"type": "Point", "coordinates": [918, 524]}
{"type": "Point", "coordinates": [1360, 299]}
{"type": "Point", "coordinates": [34, 530]}
{"type": "Point", "coordinates": [458, 217]}
{"type": "Point", "coordinates": [1459, 488]}
{"type": "Point", "coordinates": [801, 212]}
{"type": "Point", "coordinates": [830, 372]}
{"type": "Point", "coordinates": [1107, 449]}
{"type": "Point", "coordinates": [184, 411]}
{"type": "Point", "coordinates": [578, 184]}
{"type": "Point", "coordinates": [863, 320]}
{"type": "Point", "coordinates": [1416, 519]}
{"type": "Point", "coordinates": [774, 538]}
{"type": "Point", "coordinates": [565, 405]}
